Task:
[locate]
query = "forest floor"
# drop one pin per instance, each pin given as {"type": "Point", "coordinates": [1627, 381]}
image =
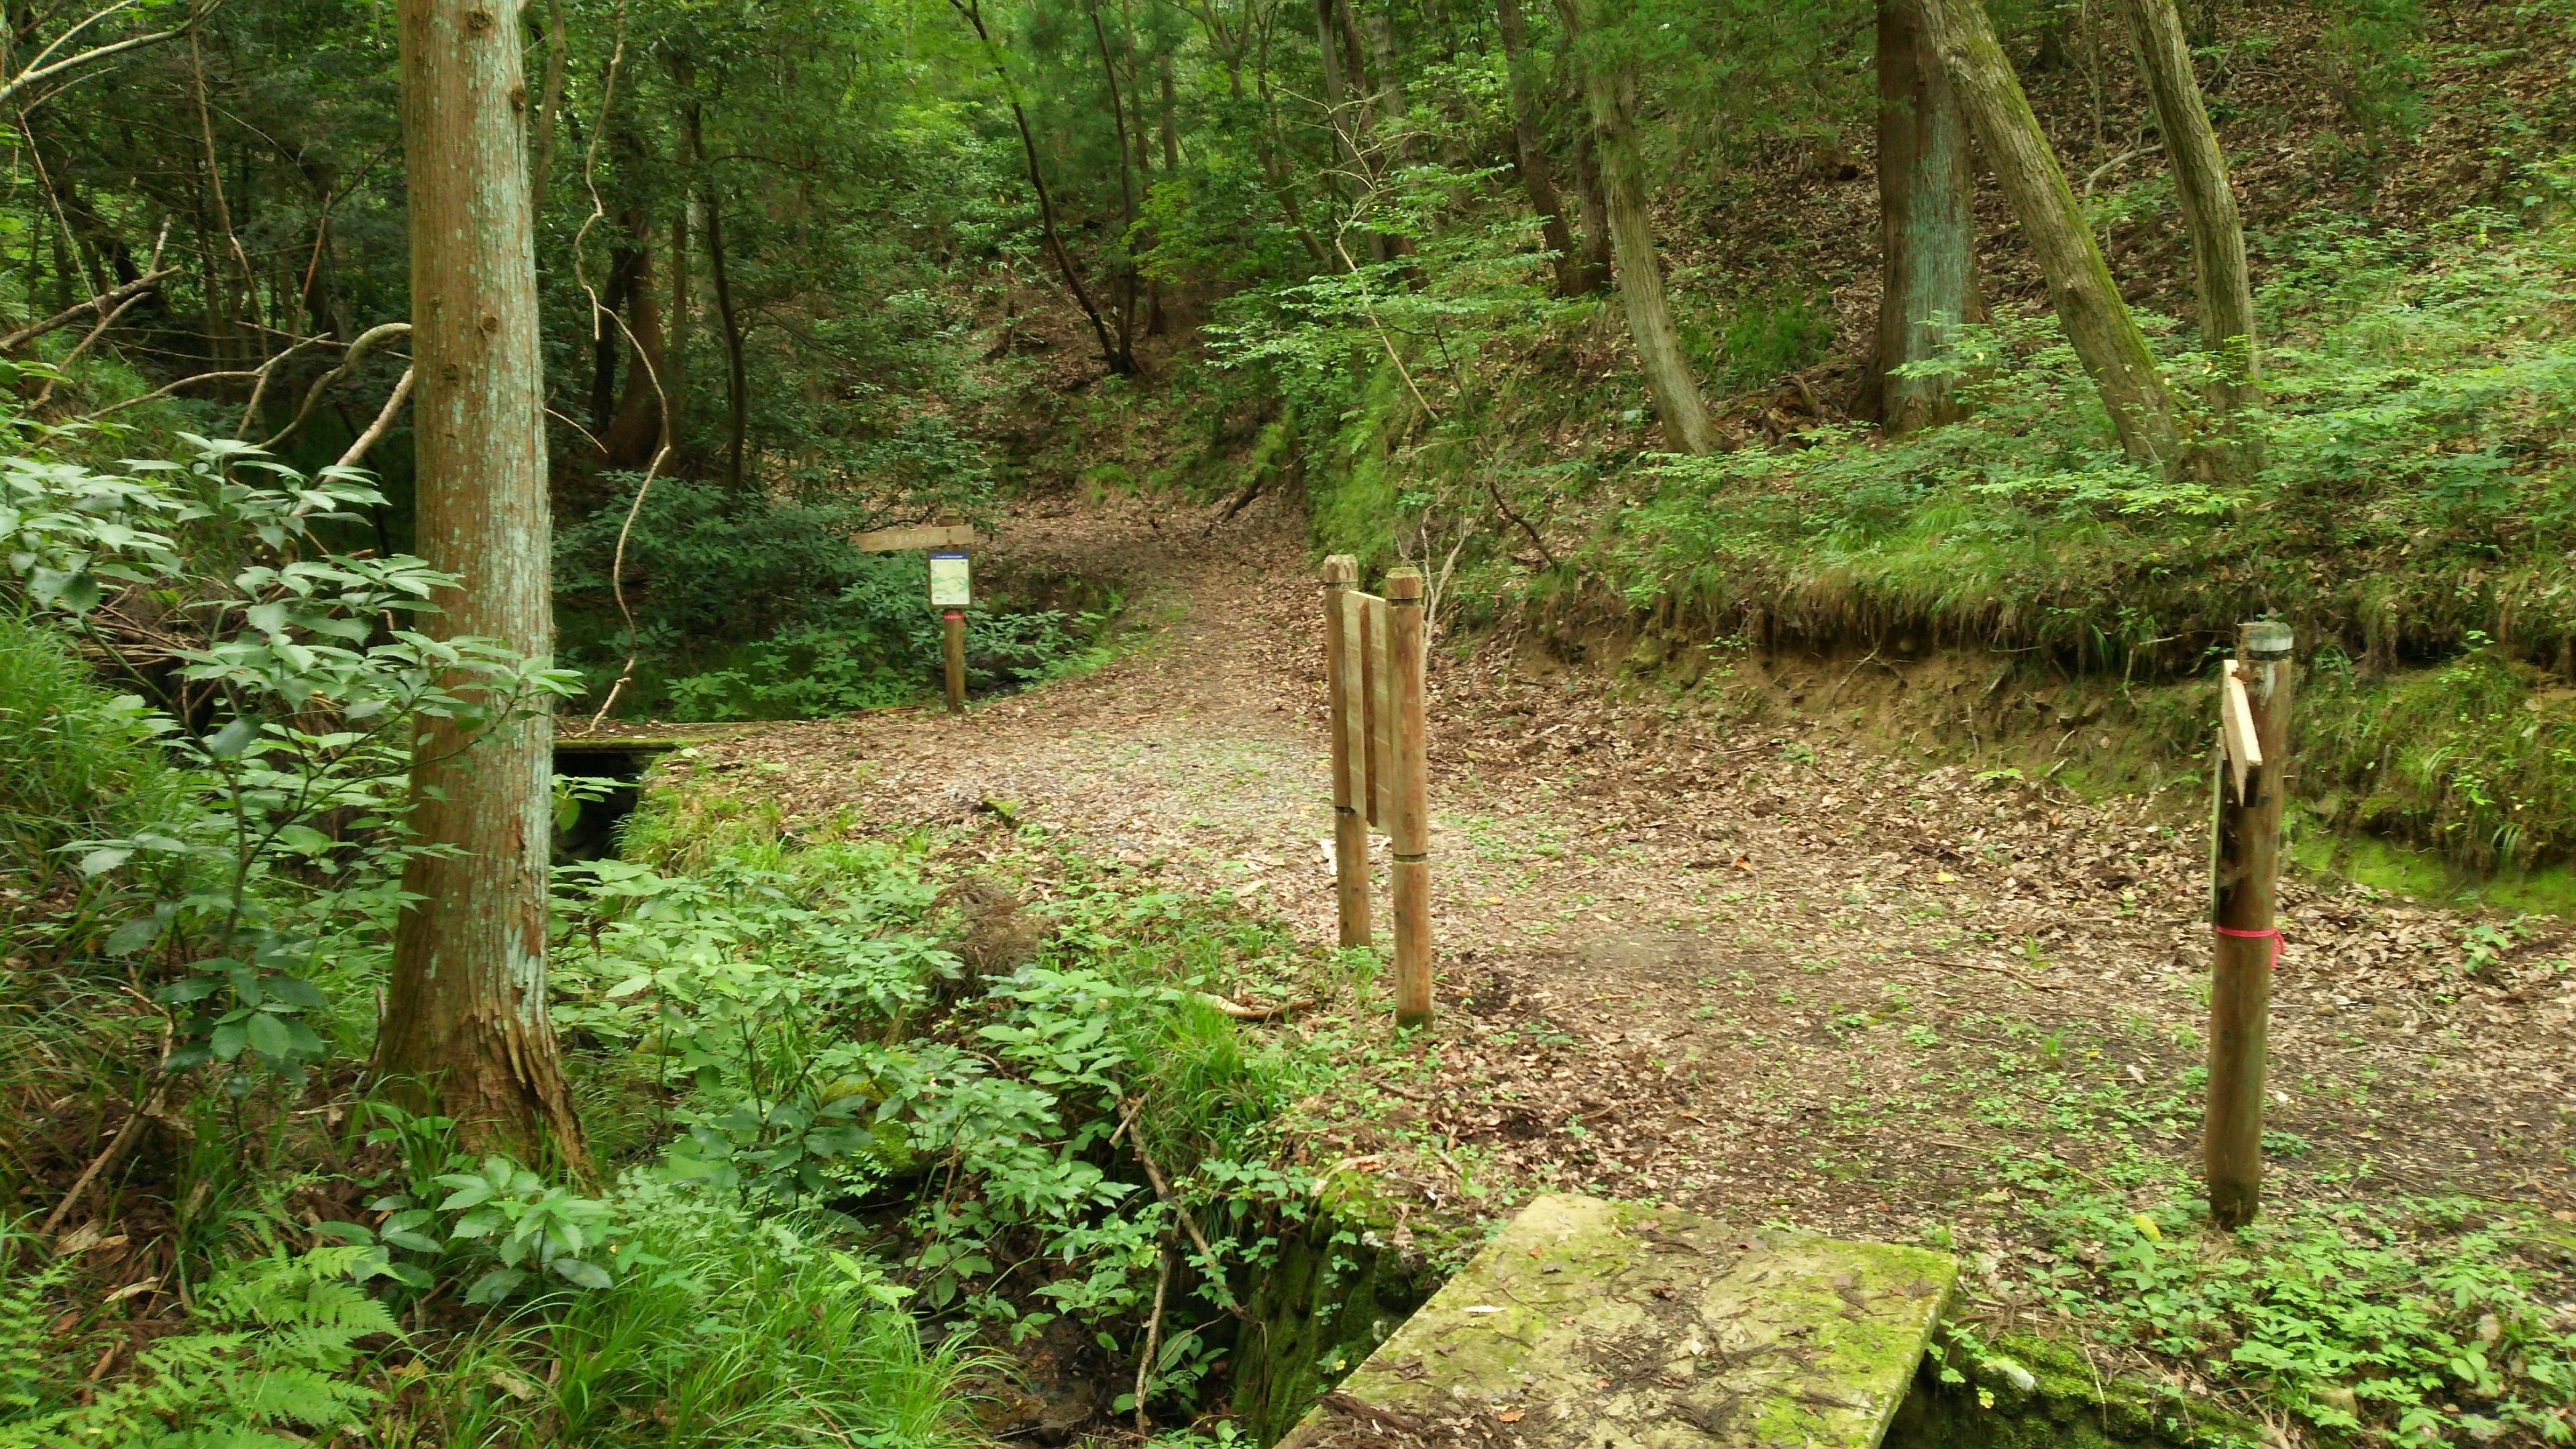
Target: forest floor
{"type": "Point", "coordinates": [1761, 969]}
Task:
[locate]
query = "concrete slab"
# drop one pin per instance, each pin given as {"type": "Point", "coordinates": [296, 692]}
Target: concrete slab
{"type": "Point", "coordinates": [1589, 1324]}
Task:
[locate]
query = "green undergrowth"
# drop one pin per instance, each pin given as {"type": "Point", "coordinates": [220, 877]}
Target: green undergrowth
{"type": "Point", "coordinates": [2409, 1322]}
{"type": "Point", "coordinates": [860, 1126]}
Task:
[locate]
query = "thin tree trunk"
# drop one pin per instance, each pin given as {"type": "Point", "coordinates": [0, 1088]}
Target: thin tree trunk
{"type": "Point", "coordinates": [1276, 172]}
{"type": "Point", "coordinates": [2097, 321]}
{"type": "Point", "coordinates": [1927, 234]}
{"type": "Point", "coordinates": [1594, 210]}
{"type": "Point", "coordinates": [465, 1023]}
{"type": "Point", "coordinates": [1531, 154]}
{"type": "Point", "coordinates": [1348, 117]}
{"type": "Point", "coordinates": [603, 339]}
{"type": "Point", "coordinates": [1640, 275]}
{"type": "Point", "coordinates": [675, 353]}
{"type": "Point", "coordinates": [2208, 207]}
{"type": "Point", "coordinates": [549, 107]}
{"type": "Point", "coordinates": [973, 13]}
{"type": "Point", "coordinates": [729, 326]}
{"type": "Point", "coordinates": [634, 431]}
{"type": "Point", "coordinates": [1124, 302]}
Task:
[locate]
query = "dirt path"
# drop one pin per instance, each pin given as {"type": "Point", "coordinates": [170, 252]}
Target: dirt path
{"type": "Point", "coordinates": [1762, 970]}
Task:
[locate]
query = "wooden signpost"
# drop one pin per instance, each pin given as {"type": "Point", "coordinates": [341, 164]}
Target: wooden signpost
{"type": "Point", "coordinates": [2245, 866]}
{"type": "Point", "coordinates": [951, 587]}
{"type": "Point", "coordinates": [1373, 666]}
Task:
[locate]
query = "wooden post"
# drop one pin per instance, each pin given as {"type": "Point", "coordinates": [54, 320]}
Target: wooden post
{"type": "Point", "coordinates": [1378, 679]}
{"type": "Point", "coordinates": [954, 623]}
{"type": "Point", "coordinates": [1350, 750]}
{"type": "Point", "coordinates": [1409, 821]}
{"type": "Point", "coordinates": [2245, 865]}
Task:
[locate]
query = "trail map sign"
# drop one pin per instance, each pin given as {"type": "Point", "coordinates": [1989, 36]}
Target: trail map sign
{"type": "Point", "coordinates": [950, 585]}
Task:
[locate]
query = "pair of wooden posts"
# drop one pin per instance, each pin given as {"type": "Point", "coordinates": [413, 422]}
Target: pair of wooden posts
{"type": "Point", "coordinates": [1373, 666]}
{"type": "Point", "coordinates": [2244, 877]}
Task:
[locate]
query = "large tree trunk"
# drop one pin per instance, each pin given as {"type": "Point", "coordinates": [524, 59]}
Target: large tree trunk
{"type": "Point", "coordinates": [2208, 206]}
{"type": "Point", "coordinates": [1927, 234]}
{"type": "Point", "coordinates": [2105, 337]}
{"type": "Point", "coordinates": [465, 1023]}
{"type": "Point", "coordinates": [1531, 153]}
{"type": "Point", "coordinates": [1640, 275]}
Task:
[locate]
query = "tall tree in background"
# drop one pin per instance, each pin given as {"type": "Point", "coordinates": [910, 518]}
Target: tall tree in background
{"type": "Point", "coordinates": [1927, 233]}
{"type": "Point", "coordinates": [2208, 210]}
{"type": "Point", "coordinates": [1608, 84]}
{"type": "Point", "coordinates": [1530, 152]}
{"type": "Point", "coordinates": [465, 1014]}
{"type": "Point", "coordinates": [2097, 321]}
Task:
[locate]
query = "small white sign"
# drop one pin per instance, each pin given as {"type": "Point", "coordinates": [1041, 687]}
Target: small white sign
{"type": "Point", "coordinates": [950, 587]}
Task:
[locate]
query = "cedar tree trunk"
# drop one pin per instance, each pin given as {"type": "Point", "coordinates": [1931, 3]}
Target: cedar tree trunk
{"type": "Point", "coordinates": [2097, 321]}
{"type": "Point", "coordinates": [1531, 153]}
{"type": "Point", "coordinates": [1640, 275]}
{"type": "Point", "coordinates": [1927, 234]}
{"type": "Point", "coordinates": [2208, 205]}
{"type": "Point", "coordinates": [465, 1013]}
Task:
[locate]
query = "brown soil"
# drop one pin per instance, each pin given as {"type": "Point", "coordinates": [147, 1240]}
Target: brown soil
{"type": "Point", "coordinates": [1764, 971]}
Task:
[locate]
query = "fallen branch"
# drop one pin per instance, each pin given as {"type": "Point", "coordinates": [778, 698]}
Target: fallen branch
{"type": "Point", "coordinates": [1163, 1191]}
{"type": "Point", "coordinates": [2032, 982]}
{"type": "Point", "coordinates": [1241, 1012]}
{"type": "Point", "coordinates": [111, 299]}
{"type": "Point", "coordinates": [107, 1157]}
{"type": "Point", "coordinates": [313, 395]}
{"type": "Point", "coordinates": [384, 420]}
{"type": "Point", "coordinates": [1153, 1333]}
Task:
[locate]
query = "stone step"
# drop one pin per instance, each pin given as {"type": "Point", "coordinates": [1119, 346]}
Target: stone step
{"type": "Point", "coordinates": [1589, 1324]}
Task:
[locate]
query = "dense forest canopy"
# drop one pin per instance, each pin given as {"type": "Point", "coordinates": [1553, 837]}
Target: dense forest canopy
{"type": "Point", "coordinates": [394, 390]}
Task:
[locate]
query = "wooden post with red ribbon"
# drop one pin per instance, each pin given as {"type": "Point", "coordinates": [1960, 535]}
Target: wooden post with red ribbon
{"type": "Point", "coordinates": [2245, 868]}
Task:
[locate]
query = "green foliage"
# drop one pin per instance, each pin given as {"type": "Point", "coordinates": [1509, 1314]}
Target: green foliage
{"type": "Point", "coordinates": [281, 1338]}
{"type": "Point", "coordinates": [75, 761]}
{"type": "Point", "coordinates": [2376, 1323]}
{"type": "Point", "coordinates": [2476, 758]}
{"type": "Point", "coordinates": [735, 1329]}
{"type": "Point", "coordinates": [297, 698]}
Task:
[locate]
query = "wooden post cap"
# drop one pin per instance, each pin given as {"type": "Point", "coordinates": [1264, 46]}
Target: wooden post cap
{"type": "Point", "coordinates": [1341, 568]}
{"type": "Point", "coordinates": [1403, 584]}
{"type": "Point", "coordinates": [2264, 639]}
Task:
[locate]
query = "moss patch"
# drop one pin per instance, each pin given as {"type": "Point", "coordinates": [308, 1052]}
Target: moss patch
{"type": "Point", "coordinates": [1594, 1323]}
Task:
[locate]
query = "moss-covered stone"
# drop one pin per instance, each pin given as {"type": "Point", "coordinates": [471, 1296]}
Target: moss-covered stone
{"type": "Point", "coordinates": [2026, 1392]}
{"type": "Point", "coordinates": [1592, 1323]}
{"type": "Point", "coordinates": [1340, 1286]}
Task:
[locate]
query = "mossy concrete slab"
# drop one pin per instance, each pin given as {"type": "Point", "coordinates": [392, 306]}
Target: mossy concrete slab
{"type": "Point", "coordinates": [1589, 1324]}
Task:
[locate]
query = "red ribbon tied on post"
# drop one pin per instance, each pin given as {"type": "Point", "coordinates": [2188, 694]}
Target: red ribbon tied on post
{"type": "Point", "coordinates": [2275, 934]}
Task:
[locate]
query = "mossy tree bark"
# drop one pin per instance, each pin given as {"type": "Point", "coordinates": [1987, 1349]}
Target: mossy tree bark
{"type": "Point", "coordinates": [1530, 152]}
{"type": "Point", "coordinates": [1607, 85]}
{"type": "Point", "coordinates": [2208, 210]}
{"type": "Point", "coordinates": [1927, 233]}
{"type": "Point", "coordinates": [465, 1014]}
{"type": "Point", "coordinates": [2097, 321]}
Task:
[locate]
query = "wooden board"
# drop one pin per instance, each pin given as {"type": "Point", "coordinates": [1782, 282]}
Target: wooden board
{"type": "Point", "coordinates": [1354, 721]}
{"type": "Point", "coordinates": [926, 535]}
{"type": "Point", "coordinates": [1379, 673]}
{"type": "Point", "coordinates": [2236, 728]}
